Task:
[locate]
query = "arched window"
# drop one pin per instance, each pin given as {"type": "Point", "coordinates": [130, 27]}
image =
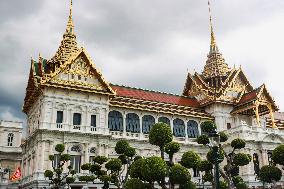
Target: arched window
{"type": "Point", "coordinates": [76, 148]}
{"type": "Point", "coordinates": [115, 121]}
{"type": "Point", "coordinates": [147, 122]}
{"type": "Point", "coordinates": [93, 150]}
{"type": "Point", "coordinates": [179, 128]}
{"type": "Point", "coordinates": [10, 139]}
{"type": "Point", "coordinates": [192, 129]}
{"type": "Point", "coordinates": [132, 123]}
{"type": "Point", "coordinates": [164, 120]}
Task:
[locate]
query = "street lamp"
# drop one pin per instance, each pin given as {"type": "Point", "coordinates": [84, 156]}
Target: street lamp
{"type": "Point", "coordinates": [214, 139]}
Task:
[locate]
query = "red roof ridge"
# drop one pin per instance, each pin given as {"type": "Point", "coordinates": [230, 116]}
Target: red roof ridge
{"type": "Point", "coordinates": [148, 90]}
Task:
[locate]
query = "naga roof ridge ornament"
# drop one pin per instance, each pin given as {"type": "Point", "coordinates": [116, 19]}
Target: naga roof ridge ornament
{"type": "Point", "coordinates": [215, 65]}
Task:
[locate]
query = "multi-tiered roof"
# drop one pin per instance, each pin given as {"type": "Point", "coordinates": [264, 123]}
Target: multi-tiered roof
{"type": "Point", "coordinates": [72, 69]}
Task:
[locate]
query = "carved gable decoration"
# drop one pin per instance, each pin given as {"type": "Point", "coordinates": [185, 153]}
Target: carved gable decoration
{"type": "Point", "coordinates": [79, 73]}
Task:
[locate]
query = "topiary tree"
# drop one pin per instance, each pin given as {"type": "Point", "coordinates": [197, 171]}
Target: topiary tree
{"type": "Point", "coordinates": [160, 134]}
{"type": "Point", "coordinates": [134, 183]}
{"type": "Point", "coordinates": [179, 175]}
{"type": "Point", "coordinates": [171, 148]}
{"type": "Point", "coordinates": [234, 159]}
{"type": "Point", "coordinates": [190, 160]}
{"type": "Point", "coordinates": [154, 169]}
{"type": "Point", "coordinates": [270, 174]}
{"type": "Point", "coordinates": [112, 170]}
{"type": "Point", "coordinates": [57, 176]}
{"type": "Point", "coordinates": [278, 155]}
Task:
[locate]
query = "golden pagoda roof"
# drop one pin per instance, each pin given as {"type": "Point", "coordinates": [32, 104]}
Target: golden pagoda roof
{"type": "Point", "coordinates": [215, 65]}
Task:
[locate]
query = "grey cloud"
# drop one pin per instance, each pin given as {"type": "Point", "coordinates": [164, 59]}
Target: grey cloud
{"type": "Point", "coordinates": [148, 44]}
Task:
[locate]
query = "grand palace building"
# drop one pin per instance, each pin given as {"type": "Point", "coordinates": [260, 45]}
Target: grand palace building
{"type": "Point", "coordinates": [69, 101]}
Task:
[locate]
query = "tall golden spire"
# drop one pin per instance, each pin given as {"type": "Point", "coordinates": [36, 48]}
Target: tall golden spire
{"type": "Point", "coordinates": [215, 65]}
{"type": "Point", "coordinates": [70, 25]}
{"type": "Point", "coordinates": [213, 45]}
{"type": "Point", "coordinates": [68, 45]}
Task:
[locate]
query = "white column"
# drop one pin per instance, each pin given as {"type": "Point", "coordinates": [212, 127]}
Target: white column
{"type": "Point", "coordinates": [86, 159]}
{"type": "Point", "coordinates": [41, 167]}
{"type": "Point", "coordinates": [140, 122]}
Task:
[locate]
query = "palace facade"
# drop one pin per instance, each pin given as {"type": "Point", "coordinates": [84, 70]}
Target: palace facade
{"type": "Point", "coordinates": [69, 101]}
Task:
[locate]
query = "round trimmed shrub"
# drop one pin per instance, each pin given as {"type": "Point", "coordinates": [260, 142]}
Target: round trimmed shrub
{"type": "Point", "coordinates": [100, 159]}
{"type": "Point", "coordinates": [123, 159]}
{"type": "Point", "coordinates": [237, 179]}
{"type": "Point", "coordinates": [95, 168]}
{"type": "Point", "coordinates": [241, 159]}
{"type": "Point", "coordinates": [278, 155]}
{"type": "Point", "coordinates": [48, 174]}
{"type": "Point", "coordinates": [208, 126]}
{"type": "Point", "coordinates": [203, 139]}
{"type": "Point", "coordinates": [223, 137]}
{"type": "Point", "coordinates": [238, 143]}
{"type": "Point", "coordinates": [65, 157]}
{"type": "Point", "coordinates": [114, 165]}
{"type": "Point", "coordinates": [137, 157]}
{"type": "Point", "coordinates": [70, 180]}
{"type": "Point", "coordinates": [223, 185]}
{"type": "Point", "coordinates": [269, 173]}
{"type": "Point", "coordinates": [86, 166]}
{"type": "Point", "coordinates": [190, 159]}
{"type": "Point", "coordinates": [121, 146]}
{"type": "Point", "coordinates": [160, 134]}
{"type": "Point", "coordinates": [179, 174]}
{"type": "Point", "coordinates": [60, 148]}
{"type": "Point", "coordinates": [135, 169]}
{"type": "Point", "coordinates": [210, 156]}
{"type": "Point", "coordinates": [241, 185]}
{"type": "Point", "coordinates": [134, 183]}
{"type": "Point", "coordinates": [207, 177]}
{"type": "Point", "coordinates": [130, 152]}
{"type": "Point", "coordinates": [188, 185]}
{"type": "Point", "coordinates": [154, 169]}
{"type": "Point", "coordinates": [51, 157]}
{"type": "Point", "coordinates": [205, 166]}
{"type": "Point", "coordinates": [171, 148]}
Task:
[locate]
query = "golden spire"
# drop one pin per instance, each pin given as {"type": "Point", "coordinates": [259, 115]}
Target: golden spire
{"type": "Point", "coordinates": [213, 45]}
{"type": "Point", "coordinates": [68, 45]}
{"type": "Point", "coordinates": [70, 25]}
{"type": "Point", "coordinates": [215, 65]}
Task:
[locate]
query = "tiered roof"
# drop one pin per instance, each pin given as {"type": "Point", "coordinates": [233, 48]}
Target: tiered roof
{"type": "Point", "coordinates": [153, 101]}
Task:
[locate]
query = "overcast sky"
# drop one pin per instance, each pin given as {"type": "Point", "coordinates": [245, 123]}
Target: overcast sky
{"type": "Point", "coordinates": [142, 43]}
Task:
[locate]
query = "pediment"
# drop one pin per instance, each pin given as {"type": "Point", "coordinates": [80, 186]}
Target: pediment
{"type": "Point", "coordinates": [273, 138]}
{"type": "Point", "coordinates": [79, 73]}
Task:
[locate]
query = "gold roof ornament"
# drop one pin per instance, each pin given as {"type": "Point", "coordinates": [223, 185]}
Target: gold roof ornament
{"type": "Point", "coordinates": [68, 45]}
{"type": "Point", "coordinates": [215, 65]}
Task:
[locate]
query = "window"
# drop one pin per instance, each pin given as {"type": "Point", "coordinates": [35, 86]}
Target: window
{"type": "Point", "coordinates": [93, 150]}
{"type": "Point", "coordinates": [93, 120]}
{"type": "Point", "coordinates": [76, 119]}
{"type": "Point", "coordinates": [196, 172]}
{"type": "Point", "coordinates": [76, 148]}
{"type": "Point", "coordinates": [56, 161]}
{"type": "Point", "coordinates": [79, 77]}
{"type": "Point", "coordinates": [164, 120]}
{"type": "Point", "coordinates": [269, 155]}
{"type": "Point", "coordinates": [75, 162]}
{"type": "Point", "coordinates": [132, 123]}
{"type": "Point", "coordinates": [10, 139]}
{"type": "Point", "coordinates": [91, 160]}
{"type": "Point", "coordinates": [192, 129]}
{"type": "Point", "coordinates": [115, 121]}
{"type": "Point", "coordinates": [59, 117]}
{"type": "Point", "coordinates": [229, 126]}
{"type": "Point", "coordinates": [147, 122]}
{"type": "Point", "coordinates": [179, 128]}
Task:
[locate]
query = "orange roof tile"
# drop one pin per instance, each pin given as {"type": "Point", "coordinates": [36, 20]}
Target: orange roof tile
{"type": "Point", "coordinates": [155, 96]}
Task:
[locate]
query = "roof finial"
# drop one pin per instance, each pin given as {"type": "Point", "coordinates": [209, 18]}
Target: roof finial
{"type": "Point", "coordinates": [70, 25]}
{"type": "Point", "coordinates": [213, 45]}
